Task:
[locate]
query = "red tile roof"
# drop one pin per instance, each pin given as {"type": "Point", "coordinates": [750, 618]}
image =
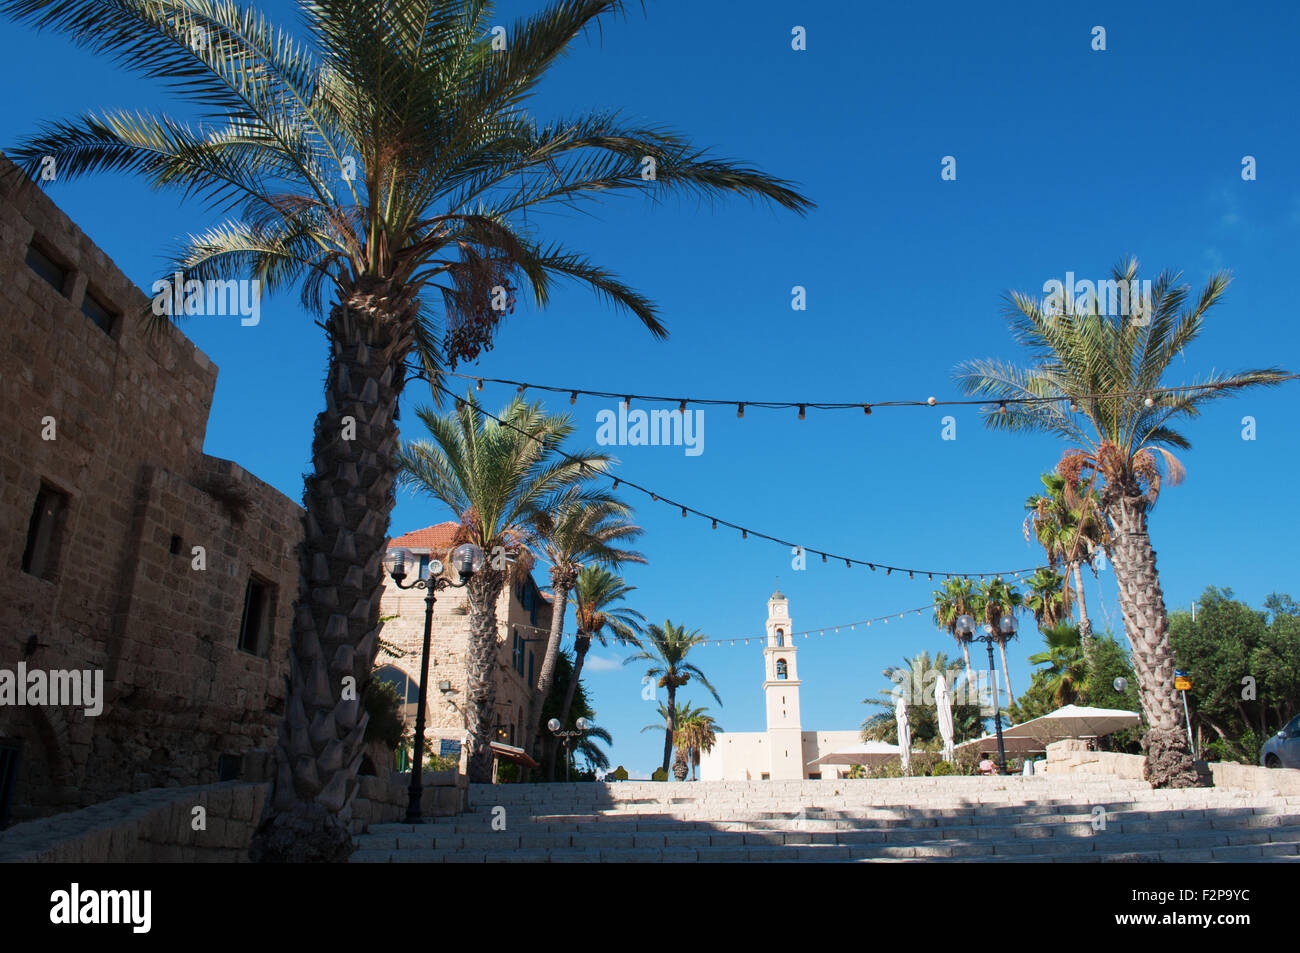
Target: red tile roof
{"type": "Point", "coordinates": [439, 536]}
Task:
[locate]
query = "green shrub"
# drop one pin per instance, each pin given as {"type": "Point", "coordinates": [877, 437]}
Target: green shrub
{"type": "Point", "coordinates": [659, 774]}
{"type": "Point", "coordinates": [942, 769]}
{"type": "Point", "coordinates": [619, 773]}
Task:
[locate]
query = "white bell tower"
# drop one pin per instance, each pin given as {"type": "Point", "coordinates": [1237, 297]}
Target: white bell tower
{"type": "Point", "coordinates": [781, 686]}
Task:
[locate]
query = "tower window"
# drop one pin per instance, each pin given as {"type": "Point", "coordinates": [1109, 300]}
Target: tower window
{"type": "Point", "coordinates": [782, 670]}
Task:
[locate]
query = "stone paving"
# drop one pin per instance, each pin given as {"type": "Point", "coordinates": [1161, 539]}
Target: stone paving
{"type": "Point", "coordinates": [1038, 819]}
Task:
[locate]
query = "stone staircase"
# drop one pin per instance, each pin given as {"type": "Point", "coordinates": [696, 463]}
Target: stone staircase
{"type": "Point", "coordinates": [1020, 819]}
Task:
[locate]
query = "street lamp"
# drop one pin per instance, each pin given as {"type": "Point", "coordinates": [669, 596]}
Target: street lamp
{"type": "Point", "coordinates": [565, 737]}
{"type": "Point", "coordinates": [1007, 628]}
{"type": "Point", "coordinates": [466, 559]}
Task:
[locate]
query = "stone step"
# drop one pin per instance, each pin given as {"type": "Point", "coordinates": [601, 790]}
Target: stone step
{"type": "Point", "coordinates": [1064, 852]}
{"type": "Point", "coordinates": [1013, 838]}
{"type": "Point", "coordinates": [950, 826]}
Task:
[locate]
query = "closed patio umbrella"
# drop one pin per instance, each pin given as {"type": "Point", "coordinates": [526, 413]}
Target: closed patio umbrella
{"type": "Point", "coordinates": [904, 735]}
{"type": "Point", "coordinates": [943, 699]}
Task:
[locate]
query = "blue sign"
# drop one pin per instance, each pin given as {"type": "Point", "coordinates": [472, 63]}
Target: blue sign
{"type": "Point", "coordinates": [449, 749]}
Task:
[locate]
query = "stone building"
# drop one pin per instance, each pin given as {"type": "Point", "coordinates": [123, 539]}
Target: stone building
{"type": "Point", "coordinates": [523, 619]}
{"type": "Point", "coordinates": [785, 750]}
{"type": "Point", "coordinates": [126, 550]}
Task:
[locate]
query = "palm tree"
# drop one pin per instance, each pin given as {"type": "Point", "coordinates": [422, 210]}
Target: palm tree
{"type": "Point", "coordinates": [915, 680]}
{"type": "Point", "coordinates": [1069, 524]}
{"type": "Point", "coordinates": [1106, 375]}
{"type": "Point", "coordinates": [955, 599]}
{"type": "Point", "coordinates": [1048, 597]}
{"type": "Point", "coordinates": [696, 734]}
{"type": "Point", "coordinates": [494, 476]}
{"type": "Point", "coordinates": [1066, 666]}
{"type": "Point", "coordinates": [993, 600]}
{"type": "Point", "coordinates": [666, 652]}
{"type": "Point", "coordinates": [576, 527]}
{"type": "Point", "coordinates": [595, 594]}
{"type": "Point", "coordinates": [388, 160]}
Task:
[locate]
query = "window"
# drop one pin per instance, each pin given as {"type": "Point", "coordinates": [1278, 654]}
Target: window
{"type": "Point", "coordinates": [782, 670]}
{"type": "Point", "coordinates": [45, 266]}
{"type": "Point", "coordinates": [517, 653]}
{"type": "Point", "coordinates": [780, 637]}
{"type": "Point", "coordinates": [228, 767]}
{"type": "Point", "coordinates": [254, 625]}
{"type": "Point", "coordinates": [8, 775]}
{"type": "Point", "coordinates": [176, 545]}
{"type": "Point", "coordinates": [530, 668]}
{"type": "Point", "coordinates": [424, 566]}
{"type": "Point", "coordinates": [98, 312]}
{"type": "Point", "coordinates": [44, 532]}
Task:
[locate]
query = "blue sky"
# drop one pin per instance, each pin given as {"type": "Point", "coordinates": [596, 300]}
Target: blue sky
{"type": "Point", "coordinates": [1067, 159]}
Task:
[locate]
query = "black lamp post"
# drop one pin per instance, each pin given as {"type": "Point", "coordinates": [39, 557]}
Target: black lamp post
{"type": "Point", "coordinates": [566, 737]}
{"type": "Point", "coordinates": [1007, 628]}
{"type": "Point", "coordinates": [467, 559]}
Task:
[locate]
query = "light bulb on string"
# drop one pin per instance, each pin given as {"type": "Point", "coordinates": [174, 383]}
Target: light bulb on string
{"type": "Point", "coordinates": [801, 412]}
{"type": "Point", "coordinates": [740, 411]}
{"type": "Point", "coordinates": [866, 410]}
{"type": "Point", "coordinates": [573, 398]}
{"type": "Point", "coordinates": [480, 384]}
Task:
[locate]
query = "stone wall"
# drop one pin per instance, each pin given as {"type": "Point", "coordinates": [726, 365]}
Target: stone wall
{"type": "Point", "coordinates": [1250, 777]}
{"type": "Point", "coordinates": [157, 826]}
{"type": "Point", "coordinates": [1073, 757]}
{"type": "Point", "coordinates": [151, 826]}
{"type": "Point", "coordinates": [115, 420]}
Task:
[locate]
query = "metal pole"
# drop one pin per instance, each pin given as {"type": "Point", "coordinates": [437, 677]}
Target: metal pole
{"type": "Point", "coordinates": [413, 814]}
{"type": "Point", "coordinates": [997, 715]}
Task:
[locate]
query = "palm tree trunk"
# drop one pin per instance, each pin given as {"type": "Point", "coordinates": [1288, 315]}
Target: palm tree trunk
{"type": "Point", "coordinates": [965, 652]}
{"type": "Point", "coordinates": [1085, 624]}
{"type": "Point", "coordinates": [546, 677]}
{"type": "Point", "coordinates": [672, 724]}
{"type": "Point", "coordinates": [335, 628]}
{"type": "Point", "coordinates": [581, 645]}
{"type": "Point", "coordinates": [1142, 605]}
{"type": "Point", "coordinates": [1006, 672]}
{"type": "Point", "coordinates": [480, 662]}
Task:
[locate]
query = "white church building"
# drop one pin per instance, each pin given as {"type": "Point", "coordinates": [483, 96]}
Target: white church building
{"type": "Point", "coordinates": [785, 750]}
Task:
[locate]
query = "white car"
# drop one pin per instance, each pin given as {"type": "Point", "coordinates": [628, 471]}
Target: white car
{"type": "Point", "coordinates": [1283, 749]}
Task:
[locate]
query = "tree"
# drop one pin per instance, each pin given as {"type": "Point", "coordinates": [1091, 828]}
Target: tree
{"type": "Point", "coordinates": [595, 611]}
{"type": "Point", "coordinates": [915, 679]}
{"type": "Point", "coordinates": [1047, 597]}
{"type": "Point", "coordinates": [955, 599]}
{"type": "Point", "coordinates": [1068, 523]}
{"type": "Point", "coordinates": [1096, 380]}
{"type": "Point", "coordinates": [389, 162]}
{"type": "Point", "coordinates": [666, 652]}
{"type": "Point", "coordinates": [576, 527]}
{"type": "Point", "coordinates": [695, 732]}
{"type": "Point", "coordinates": [494, 476]}
{"type": "Point", "coordinates": [994, 599]}
{"type": "Point", "coordinates": [1066, 666]}
{"type": "Point", "coordinates": [1244, 666]}
{"type": "Point", "coordinates": [566, 679]}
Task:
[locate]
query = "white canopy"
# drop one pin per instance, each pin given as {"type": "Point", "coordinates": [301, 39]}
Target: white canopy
{"type": "Point", "coordinates": [1072, 721]}
{"type": "Point", "coordinates": [869, 752]}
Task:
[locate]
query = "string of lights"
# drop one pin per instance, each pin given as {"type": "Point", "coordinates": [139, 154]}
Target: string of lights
{"type": "Point", "coordinates": [851, 626]}
{"type": "Point", "coordinates": [804, 406]}
{"type": "Point", "coordinates": [745, 532]}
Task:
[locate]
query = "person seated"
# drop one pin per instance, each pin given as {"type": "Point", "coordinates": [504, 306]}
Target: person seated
{"type": "Point", "coordinates": [986, 764]}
